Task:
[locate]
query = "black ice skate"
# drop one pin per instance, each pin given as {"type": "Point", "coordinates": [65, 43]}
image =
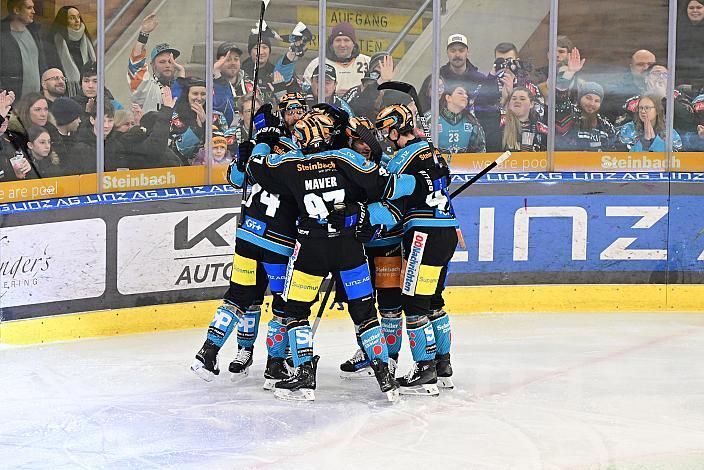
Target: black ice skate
{"type": "Point", "coordinates": [387, 382]}
{"type": "Point", "coordinates": [301, 385]}
{"type": "Point", "coordinates": [421, 380]}
{"type": "Point", "coordinates": [240, 365]}
{"type": "Point", "coordinates": [206, 364]}
{"type": "Point", "coordinates": [393, 363]}
{"type": "Point", "coordinates": [444, 371]}
{"type": "Point", "coordinates": [357, 367]}
{"type": "Point", "coordinates": [276, 369]}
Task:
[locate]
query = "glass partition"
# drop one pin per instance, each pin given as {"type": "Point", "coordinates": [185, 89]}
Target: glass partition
{"type": "Point", "coordinates": [492, 94]}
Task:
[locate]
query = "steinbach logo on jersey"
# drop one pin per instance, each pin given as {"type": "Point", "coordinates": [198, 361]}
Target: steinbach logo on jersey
{"type": "Point", "coordinates": [413, 266]}
{"type": "Point", "coordinates": [315, 166]}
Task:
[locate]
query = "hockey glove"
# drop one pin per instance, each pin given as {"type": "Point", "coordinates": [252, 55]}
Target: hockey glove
{"type": "Point", "coordinates": [429, 181]}
{"type": "Point", "coordinates": [244, 151]}
{"type": "Point", "coordinates": [267, 125]}
{"type": "Point", "coordinates": [354, 215]}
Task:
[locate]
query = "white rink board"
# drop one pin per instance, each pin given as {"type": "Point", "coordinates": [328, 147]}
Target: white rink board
{"type": "Point", "coordinates": [534, 392]}
{"type": "Point", "coordinates": [52, 262]}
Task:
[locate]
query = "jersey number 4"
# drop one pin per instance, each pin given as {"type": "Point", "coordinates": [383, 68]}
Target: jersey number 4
{"type": "Point", "coordinates": [271, 201]}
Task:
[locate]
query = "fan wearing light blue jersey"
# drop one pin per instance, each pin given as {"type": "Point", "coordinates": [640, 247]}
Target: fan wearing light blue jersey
{"type": "Point", "coordinates": [458, 130]}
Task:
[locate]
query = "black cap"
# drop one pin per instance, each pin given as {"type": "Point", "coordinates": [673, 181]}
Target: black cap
{"type": "Point", "coordinates": [226, 47]}
{"type": "Point", "coordinates": [330, 72]}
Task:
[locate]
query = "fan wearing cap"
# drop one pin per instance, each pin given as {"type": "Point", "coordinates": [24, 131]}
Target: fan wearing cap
{"type": "Point", "coordinates": [458, 68]}
{"type": "Point", "coordinates": [330, 85]}
{"type": "Point", "coordinates": [230, 82]}
{"type": "Point", "coordinates": [145, 85]}
{"type": "Point", "coordinates": [343, 54]}
{"type": "Point", "coordinates": [581, 126]}
{"type": "Point", "coordinates": [221, 155]}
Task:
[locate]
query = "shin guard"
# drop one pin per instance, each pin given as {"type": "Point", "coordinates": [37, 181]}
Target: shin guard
{"type": "Point", "coordinates": [277, 337]}
{"type": "Point", "coordinates": [300, 340]}
{"type": "Point", "coordinates": [392, 327]}
{"type": "Point", "coordinates": [441, 329]}
{"type": "Point", "coordinates": [373, 341]}
{"type": "Point", "coordinates": [421, 338]}
{"type": "Point", "coordinates": [227, 316]}
{"type": "Point", "coordinates": [248, 326]}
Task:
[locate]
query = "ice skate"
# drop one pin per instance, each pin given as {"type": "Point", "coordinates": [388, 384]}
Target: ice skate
{"type": "Point", "coordinates": [444, 371]}
{"type": "Point", "coordinates": [301, 385]}
{"type": "Point", "coordinates": [206, 364]}
{"type": "Point", "coordinates": [393, 364]}
{"type": "Point", "coordinates": [357, 367]}
{"type": "Point", "coordinates": [277, 369]}
{"type": "Point", "coordinates": [421, 380]}
{"type": "Point", "coordinates": [239, 367]}
{"type": "Point", "coordinates": [387, 382]}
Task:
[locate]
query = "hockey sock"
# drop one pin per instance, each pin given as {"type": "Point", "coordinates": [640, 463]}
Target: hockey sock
{"type": "Point", "coordinates": [300, 340]}
{"type": "Point", "coordinates": [248, 326]}
{"type": "Point", "coordinates": [421, 338]}
{"type": "Point", "coordinates": [392, 327]}
{"type": "Point", "coordinates": [373, 341]}
{"type": "Point", "coordinates": [441, 328]}
{"type": "Point", "coordinates": [276, 337]}
{"type": "Point", "coordinates": [226, 318]}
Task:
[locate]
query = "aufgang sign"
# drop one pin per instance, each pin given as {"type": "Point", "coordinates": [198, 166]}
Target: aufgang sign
{"type": "Point", "coordinates": [580, 233]}
{"type": "Point", "coordinates": [175, 251]}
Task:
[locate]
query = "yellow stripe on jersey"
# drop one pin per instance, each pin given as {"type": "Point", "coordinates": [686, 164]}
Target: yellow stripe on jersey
{"type": "Point", "coordinates": [244, 271]}
{"type": "Point", "coordinates": [303, 287]}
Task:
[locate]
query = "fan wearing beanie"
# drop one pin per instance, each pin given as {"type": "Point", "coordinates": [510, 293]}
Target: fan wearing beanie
{"type": "Point", "coordinates": [343, 53]}
{"type": "Point", "coordinates": [221, 155]}
{"type": "Point", "coordinates": [580, 126]}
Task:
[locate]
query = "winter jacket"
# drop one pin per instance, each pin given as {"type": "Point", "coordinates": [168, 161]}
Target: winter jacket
{"type": "Point", "coordinates": [568, 134]}
{"type": "Point", "coordinates": [629, 137]}
{"type": "Point", "coordinates": [685, 119]}
{"type": "Point", "coordinates": [689, 63]}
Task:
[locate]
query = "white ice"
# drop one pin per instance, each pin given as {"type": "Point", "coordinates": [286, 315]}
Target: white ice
{"type": "Point", "coordinates": [533, 392]}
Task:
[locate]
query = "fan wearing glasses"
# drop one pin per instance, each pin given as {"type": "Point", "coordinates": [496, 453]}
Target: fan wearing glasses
{"type": "Point", "coordinates": [53, 86]}
{"type": "Point", "coordinates": [648, 130]}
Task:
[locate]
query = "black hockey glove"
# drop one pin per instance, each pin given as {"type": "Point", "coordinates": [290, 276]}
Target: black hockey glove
{"type": "Point", "coordinates": [244, 151]}
{"type": "Point", "coordinates": [267, 125]}
{"type": "Point", "coordinates": [429, 181]}
{"type": "Point", "coordinates": [354, 215]}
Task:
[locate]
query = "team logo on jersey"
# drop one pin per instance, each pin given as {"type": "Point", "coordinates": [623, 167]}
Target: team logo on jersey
{"type": "Point", "coordinates": [315, 166]}
{"type": "Point", "coordinates": [254, 225]}
{"type": "Point", "coordinates": [410, 278]}
{"type": "Point", "coordinates": [467, 127]}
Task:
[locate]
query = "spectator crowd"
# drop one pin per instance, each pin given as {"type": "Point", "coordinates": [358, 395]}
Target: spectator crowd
{"type": "Point", "coordinates": [49, 86]}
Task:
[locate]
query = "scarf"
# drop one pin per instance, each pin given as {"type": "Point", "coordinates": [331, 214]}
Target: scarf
{"type": "Point", "coordinates": [73, 75]}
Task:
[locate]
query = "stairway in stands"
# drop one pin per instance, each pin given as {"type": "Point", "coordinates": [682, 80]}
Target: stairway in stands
{"type": "Point", "coordinates": [376, 27]}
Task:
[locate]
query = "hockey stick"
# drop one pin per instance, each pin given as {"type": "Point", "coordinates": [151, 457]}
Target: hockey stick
{"type": "Point", "coordinates": [328, 291]}
{"type": "Point", "coordinates": [245, 183]}
{"type": "Point", "coordinates": [502, 158]}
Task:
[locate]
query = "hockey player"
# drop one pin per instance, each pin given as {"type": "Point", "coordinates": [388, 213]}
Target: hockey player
{"type": "Point", "coordinates": [429, 241]}
{"type": "Point", "coordinates": [264, 242]}
{"type": "Point", "coordinates": [318, 179]}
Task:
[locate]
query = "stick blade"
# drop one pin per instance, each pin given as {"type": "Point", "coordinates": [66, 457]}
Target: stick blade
{"type": "Point", "coordinates": [403, 87]}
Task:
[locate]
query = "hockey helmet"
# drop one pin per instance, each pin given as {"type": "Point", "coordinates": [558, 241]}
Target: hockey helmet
{"type": "Point", "coordinates": [396, 116]}
{"type": "Point", "coordinates": [314, 132]}
{"type": "Point", "coordinates": [353, 125]}
{"type": "Point", "coordinates": [293, 100]}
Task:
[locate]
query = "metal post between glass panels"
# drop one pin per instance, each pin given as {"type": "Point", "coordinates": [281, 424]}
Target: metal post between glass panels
{"type": "Point", "coordinates": [552, 80]}
{"type": "Point", "coordinates": [209, 91]}
{"type": "Point", "coordinates": [322, 44]}
{"type": "Point", "coordinates": [100, 99]}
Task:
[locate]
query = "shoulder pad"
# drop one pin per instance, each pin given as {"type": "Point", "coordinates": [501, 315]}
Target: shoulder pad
{"type": "Point", "coordinates": [275, 159]}
{"type": "Point", "coordinates": [540, 127]}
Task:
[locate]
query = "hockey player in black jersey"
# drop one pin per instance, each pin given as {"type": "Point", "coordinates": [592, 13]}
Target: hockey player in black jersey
{"type": "Point", "coordinates": [318, 179]}
{"type": "Point", "coordinates": [264, 241]}
{"type": "Point", "coordinates": [429, 241]}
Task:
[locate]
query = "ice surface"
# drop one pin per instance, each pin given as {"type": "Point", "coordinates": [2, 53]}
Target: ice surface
{"type": "Point", "coordinates": [533, 392]}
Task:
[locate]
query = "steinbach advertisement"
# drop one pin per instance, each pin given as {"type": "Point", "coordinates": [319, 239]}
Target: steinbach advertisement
{"type": "Point", "coordinates": [178, 250]}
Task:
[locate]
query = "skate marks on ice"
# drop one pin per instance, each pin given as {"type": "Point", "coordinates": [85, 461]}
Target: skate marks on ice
{"type": "Point", "coordinates": [532, 392]}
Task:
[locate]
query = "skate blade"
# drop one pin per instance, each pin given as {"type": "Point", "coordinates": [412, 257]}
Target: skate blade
{"type": "Point", "coordinates": [427, 390]}
{"type": "Point", "coordinates": [446, 382]}
{"type": "Point", "coordinates": [198, 369]}
{"type": "Point", "coordinates": [239, 376]}
{"type": "Point", "coordinates": [270, 383]}
{"type": "Point", "coordinates": [364, 373]}
{"type": "Point", "coordinates": [302, 394]}
{"type": "Point", "coordinates": [393, 395]}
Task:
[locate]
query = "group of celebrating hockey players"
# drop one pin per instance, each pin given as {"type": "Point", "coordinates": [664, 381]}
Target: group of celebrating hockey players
{"type": "Point", "coordinates": [321, 197]}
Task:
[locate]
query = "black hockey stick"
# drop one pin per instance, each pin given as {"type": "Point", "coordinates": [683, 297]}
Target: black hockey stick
{"type": "Point", "coordinates": [502, 158]}
{"type": "Point", "coordinates": [245, 183]}
{"type": "Point", "coordinates": [328, 291]}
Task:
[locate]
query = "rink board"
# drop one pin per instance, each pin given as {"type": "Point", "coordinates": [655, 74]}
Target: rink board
{"type": "Point", "coordinates": [544, 242]}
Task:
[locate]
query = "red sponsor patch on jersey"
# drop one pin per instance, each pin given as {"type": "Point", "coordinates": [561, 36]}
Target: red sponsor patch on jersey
{"type": "Point", "coordinates": [540, 127]}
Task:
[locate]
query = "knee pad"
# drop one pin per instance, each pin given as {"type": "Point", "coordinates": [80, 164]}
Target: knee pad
{"type": "Point", "coordinates": [421, 338]}
{"type": "Point", "coordinates": [277, 337]}
{"type": "Point", "coordinates": [248, 326]}
{"type": "Point", "coordinates": [227, 316]}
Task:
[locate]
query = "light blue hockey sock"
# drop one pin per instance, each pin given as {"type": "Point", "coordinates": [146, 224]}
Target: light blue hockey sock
{"type": "Point", "coordinates": [392, 328]}
{"type": "Point", "coordinates": [248, 326]}
{"type": "Point", "coordinates": [300, 340]}
{"type": "Point", "coordinates": [276, 337]}
{"type": "Point", "coordinates": [443, 335]}
{"type": "Point", "coordinates": [226, 318]}
{"type": "Point", "coordinates": [373, 342]}
{"type": "Point", "coordinates": [421, 338]}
